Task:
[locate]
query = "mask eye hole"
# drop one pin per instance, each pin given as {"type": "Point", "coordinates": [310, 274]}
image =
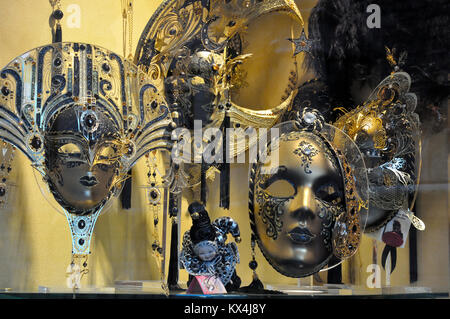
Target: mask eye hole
{"type": "Point", "coordinates": [329, 193]}
{"type": "Point", "coordinates": [280, 188]}
{"type": "Point", "coordinates": [70, 149]}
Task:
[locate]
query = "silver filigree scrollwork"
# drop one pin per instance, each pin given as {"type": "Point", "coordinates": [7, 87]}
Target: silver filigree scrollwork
{"type": "Point", "coordinates": [306, 151]}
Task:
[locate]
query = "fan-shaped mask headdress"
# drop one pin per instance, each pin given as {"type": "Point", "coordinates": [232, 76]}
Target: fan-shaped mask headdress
{"type": "Point", "coordinates": [83, 116]}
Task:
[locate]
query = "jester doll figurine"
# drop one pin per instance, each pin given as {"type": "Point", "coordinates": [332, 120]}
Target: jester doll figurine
{"type": "Point", "coordinates": [205, 251]}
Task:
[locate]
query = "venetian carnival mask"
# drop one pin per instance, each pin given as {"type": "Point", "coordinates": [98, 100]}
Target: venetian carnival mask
{"type": "Point", "coordinates": [308, 206]}
{"type": "Point", "coordinates": [195, 49]}
{"type": "Point", "coordinates": [83, 116]}
{"type": "Point", "coordinates": [207, 57]}
{"type": "Point", "coordinates": [387, 132]}
{"type": "Point", "coordinates": [81, 169]}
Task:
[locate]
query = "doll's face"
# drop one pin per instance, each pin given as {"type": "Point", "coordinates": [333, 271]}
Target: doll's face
{"type": "Point", "coordinates": [83, 172]}
{"type": "Point", "coordinates": [296, 203]}
{"type": "Point", "coordinates": [205, 251]}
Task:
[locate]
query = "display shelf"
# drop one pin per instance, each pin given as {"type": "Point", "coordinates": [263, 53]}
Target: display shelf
{"type": "Point", "coordinates": [153, 290]}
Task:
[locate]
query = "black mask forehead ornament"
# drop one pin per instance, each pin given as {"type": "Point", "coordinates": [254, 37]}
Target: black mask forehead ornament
{"type": "Point", "coordinates": [83, 116]}
{"type": "Point", "coordinates": [309, 204]}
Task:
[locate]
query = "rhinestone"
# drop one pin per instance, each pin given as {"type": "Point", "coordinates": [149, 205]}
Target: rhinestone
{"type": "Point", "coordinates": [153, 194]}
{"type": "Point", "coordinates": [58, 14]}
{"type": "Point", "coordinates": [36, 143]}
{"type": "Point", "coordinates": [253, 264]}
{"type": "Point", "coordinates": [309, 117]}
{"type": "Point", "coordinates": [81, 224]}
{"type": "Point", "coordinates": [5, 91]}
{"type": "Point", "coordinates": [106, 67]}
{"type": "Point", "coordinates": [57, 62]}
{"type": "Point", "coordinates": [90, 121]}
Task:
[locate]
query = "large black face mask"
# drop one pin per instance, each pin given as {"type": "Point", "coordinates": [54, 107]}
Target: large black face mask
{"type": "Point", "coordinates": [296, 204]}
{"type": "Point", "coordinates": [82, 167]}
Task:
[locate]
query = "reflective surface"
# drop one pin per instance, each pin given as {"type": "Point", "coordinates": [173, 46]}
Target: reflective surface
{"type": "Point", "coordinates": [82, 172]}
{"type": "Point", "coordinates": [295, 206]}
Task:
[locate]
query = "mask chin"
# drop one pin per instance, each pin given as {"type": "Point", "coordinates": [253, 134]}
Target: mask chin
{"type": "Point", "coordinates": [78, 200]}
{"type": "Point", "coordinates": [296, 270]}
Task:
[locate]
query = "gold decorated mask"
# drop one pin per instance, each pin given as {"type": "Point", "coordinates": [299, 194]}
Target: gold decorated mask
{"type": "Point", "coordinates": [83, 116]}
{"type": "Point", "coordinates": [386, 130]}
{"type": "Point", "coordinates": [210, 38]}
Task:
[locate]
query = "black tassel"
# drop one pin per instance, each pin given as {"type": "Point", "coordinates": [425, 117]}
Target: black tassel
{"type": "Point", "coordinates": [225, 186]}
{"type": "Point", "coordinates": [412, 255]}
{"type": "Point", "coordinates": [172, 277]}
{"type": "Point", "coordinates": [203, 186]}
{"type": "Point", "coordinates": [225, 169]}
{"type": "Point", "coordinates": [58, 34]}
{"type": "Point", "coordinates": [257, 287]}
{"type": "Point", "coordinates": [125, 196]}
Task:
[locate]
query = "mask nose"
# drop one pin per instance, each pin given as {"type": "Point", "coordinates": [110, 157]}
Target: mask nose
{"type": "Point", "coordinates": [91, 158]}
{"type": "Point", "coordinates": [303, 205]}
